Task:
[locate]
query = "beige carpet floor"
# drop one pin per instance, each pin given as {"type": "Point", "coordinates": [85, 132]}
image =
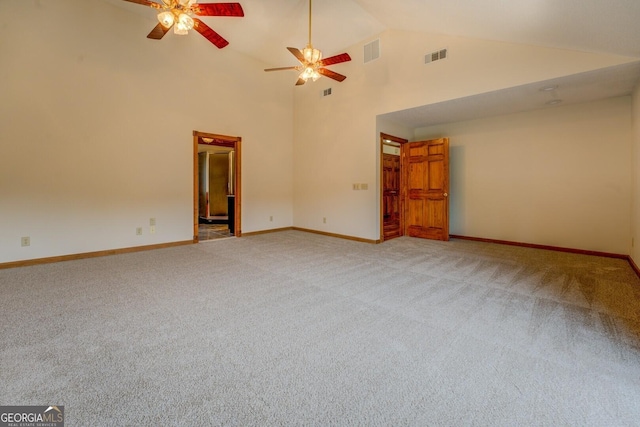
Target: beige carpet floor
{"type": "Point", "coordinates": [293, 328]}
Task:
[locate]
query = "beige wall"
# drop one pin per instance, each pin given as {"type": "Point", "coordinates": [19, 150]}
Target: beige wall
{"type": "Point", "coordinates": [96, 127]}
{"type": "Point", "coordinates": [559, 176]}
{"type": "Point", "coordinates": [96, 124]}
{"type": "Point", "coordinates": [635, 223]}
{"type": "Point", "coordinates": [336, 137]}
{"type": "Point", "coordinates": [472, 67]}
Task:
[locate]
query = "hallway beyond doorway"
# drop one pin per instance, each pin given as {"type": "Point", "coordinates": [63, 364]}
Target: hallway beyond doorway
{"type": "Point", "coordinates": [215, 227]}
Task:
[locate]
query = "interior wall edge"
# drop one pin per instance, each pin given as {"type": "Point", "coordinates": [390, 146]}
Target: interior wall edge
{"type": "Point", "coordinates": [339, 236]}
{"type": "Point", "coordinates": [628, 258]}
{"type": "Point", "coordinates": [543, 247]}
{"type": "Point", "coordinates": [634, 266]}
{"type": "Point", "coordinates": [270, 230]}
{"type": "Point", "coordinates": [84, 255]}
{"type": "Point", "coordinates": [634, 252]}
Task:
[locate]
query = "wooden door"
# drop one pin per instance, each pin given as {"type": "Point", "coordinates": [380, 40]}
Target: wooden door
{"type": "Point", "coordinates": [427, 180]}
{"type": "Point", "coordinates": [391, 214]}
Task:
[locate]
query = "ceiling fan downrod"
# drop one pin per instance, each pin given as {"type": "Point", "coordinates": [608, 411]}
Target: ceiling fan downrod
{"type": "Point", "coordinates": [309, 22]}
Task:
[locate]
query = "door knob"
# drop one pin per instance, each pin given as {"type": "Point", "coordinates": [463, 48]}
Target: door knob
{"type": "Point", "coordinates": [445, 194]}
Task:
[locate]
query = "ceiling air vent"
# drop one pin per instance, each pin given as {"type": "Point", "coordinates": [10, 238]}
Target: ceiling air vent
{"type": "Point", "coordinates": [435, 56]}
{"type": "Point", "coordinates": [372, 51]}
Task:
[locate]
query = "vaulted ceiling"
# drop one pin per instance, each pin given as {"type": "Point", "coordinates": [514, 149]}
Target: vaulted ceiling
{"type": "Point", "coordinates": [269, 26]}
{"type": "Point", "coordinates": [586, 25]}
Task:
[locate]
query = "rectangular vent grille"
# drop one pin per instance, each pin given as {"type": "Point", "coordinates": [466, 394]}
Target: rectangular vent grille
{"type": "Point", "coordinates": [372, 51]}
{"type": "Point", "coordinates": [326, 92]}
{"type": "Point", "coordinates": [435, 56]}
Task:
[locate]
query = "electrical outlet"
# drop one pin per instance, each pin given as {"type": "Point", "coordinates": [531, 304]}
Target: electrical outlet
{"type": "Point", "coordinates": [152, 229]}
{"type": "Point", "coordinates": [271, 218]}
{"type": "Point", "coordinates": [364, 186]}
{"type": "Point", "coordinates": [152, 221]}
{"type": "Point", "coordinates": [324, 220]}
{"type": "Point", "coordinates": [139, 231]}
{"type": "Point", "coordinates": [25, 241]}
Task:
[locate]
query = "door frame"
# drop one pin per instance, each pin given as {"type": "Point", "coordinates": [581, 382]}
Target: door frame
{"type": "Point", "coordinates": [401, 141]}
{"type": "Point", "coordinates": [224, 141]}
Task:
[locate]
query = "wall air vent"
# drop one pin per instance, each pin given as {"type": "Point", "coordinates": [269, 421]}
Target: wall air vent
{"type": "Point", "coordinates": [372, 51]}
{"type": "Point", "coordinates": [435, 56]}
{"type": "Point", "coordinates": [326, 92]}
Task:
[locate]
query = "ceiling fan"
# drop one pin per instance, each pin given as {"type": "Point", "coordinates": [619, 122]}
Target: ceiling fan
{"type": "Point", "coordinates": [178, 14]}
{"type": "Point", "coordinates": [312, 66]}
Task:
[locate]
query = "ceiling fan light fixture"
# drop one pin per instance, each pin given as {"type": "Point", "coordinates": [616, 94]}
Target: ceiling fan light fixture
{"type": "Point", "coordinates": [166, 18]}
{"type": "Point", "coordinates": [180, 30]}
{"type": "Point", "coordinates": [311, 55]}
{"type": "Point", "coordinates": [184, 24]}
{"type": "Point", "coordinates": [179, 15]}
{"type": "Point", "coordinates": [309, 73]}
{"type": "Point", "coordinates": [312, 66]}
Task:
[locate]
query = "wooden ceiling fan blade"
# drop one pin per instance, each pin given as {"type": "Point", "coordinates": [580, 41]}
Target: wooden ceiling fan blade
{"type": "Point", "coordinates": [218, 9]}
{"type": "Point", "coordinates": [331, 74]}
{"type": "Point", "coordinates": [158, 32]}
{"type": "Point", "coordinates": [209, 34]}
{"type": "Point", "coordinates": [337, 59]}
{"type": "Point", "coordinates": [296, 52]}
{"type": "Point", "coordinates": [145, 3]}
{"type": "Point", "coordinates": [281, 68]}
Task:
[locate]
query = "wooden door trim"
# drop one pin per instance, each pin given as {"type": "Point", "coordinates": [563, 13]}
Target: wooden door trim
{"type": "Point", "coordinates": [234, 142]}
{"type": "Point", "coordinates": [383, 137]}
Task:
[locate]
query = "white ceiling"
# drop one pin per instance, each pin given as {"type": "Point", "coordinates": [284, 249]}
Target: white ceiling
{"type": "Point", "coordinates": [590, 86]}
{"type": "Point", "coordinates": [611, 26]}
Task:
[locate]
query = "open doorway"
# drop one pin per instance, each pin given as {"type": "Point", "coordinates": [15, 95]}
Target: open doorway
{"type": "Point", "coordinates": [414, 188]}
{"type": "Point", "coordinates": [391, 187]}
{"type": "Point", "coordinates": [216, 199]}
